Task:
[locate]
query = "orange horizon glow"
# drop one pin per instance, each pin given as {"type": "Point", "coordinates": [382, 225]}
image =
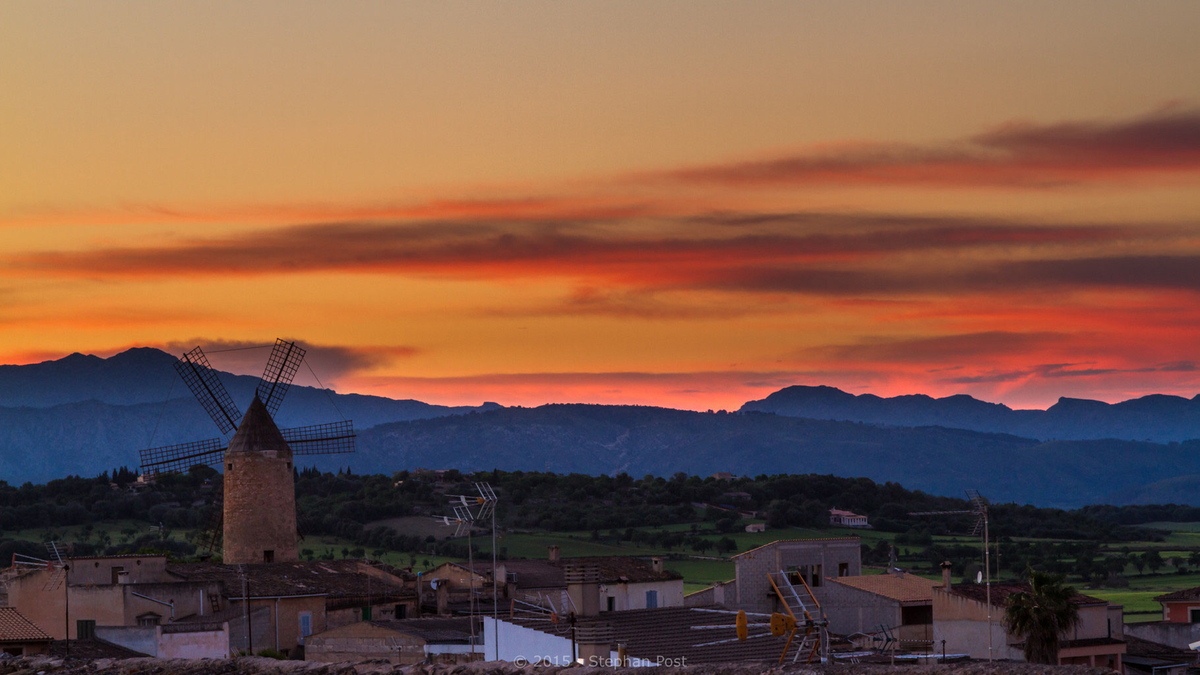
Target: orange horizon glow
{"type": "Point", "coordinates": [675, 204]}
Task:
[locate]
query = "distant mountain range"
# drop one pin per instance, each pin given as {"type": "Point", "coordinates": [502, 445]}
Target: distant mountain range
{"type": "Point", "coordinates": [1156, 418]}
{"type": "Point", "coordinates": [83, 415]}
{"type": "Point", "coordinates": [639, 440]}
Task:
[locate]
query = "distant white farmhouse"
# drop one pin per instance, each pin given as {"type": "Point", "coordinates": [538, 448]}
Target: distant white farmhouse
{"type": "Point", "coordinates": [846, 518]}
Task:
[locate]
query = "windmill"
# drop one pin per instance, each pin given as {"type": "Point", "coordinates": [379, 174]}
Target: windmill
{"type": "Point", "coordinates": [979, 509]}
{"type": "Point", "coordinates": [254, 519]}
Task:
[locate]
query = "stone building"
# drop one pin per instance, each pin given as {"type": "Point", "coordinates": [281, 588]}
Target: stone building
{"type": "Point", "coordinates": [256, 606]}
{"type": "Point", "coordinates": [963, 618]}
{"type": "Point", "coordinates": [259, 523]}
{"type": "Point", "coordinates": [899, 601]}
{"type": "Point", "coordinates": [402, 642]}
{"type": "Point", "coordinates": [625, 582]}
{"type": "Point", "coordinates": [814, 561]}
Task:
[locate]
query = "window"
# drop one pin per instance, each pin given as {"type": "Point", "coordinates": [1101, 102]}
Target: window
{"type": "Point", "coordinates": [366, 614]}
{"type": "Point", "coordinates": [229, 466]}
{"type": "Point", "coordinates": [919, 615]}
{"type": "Point", "coordinates": [612, 604]}
{"type": "Point", "coordinates": [116, 573]}
{"type": "Point", "coordinates": [798, 574]}
{"type": "Point", "coordinates": [651, 599]}
{"type": "Point", "coordinates": [1194, 615]}
{"type": "Point", "coordinates": [268, 556]}
{"type": "Point", "coordinates": [843, 569]}
{"type": "Point", "coordinates": [305, 625]}
{"type": "Point", "coordinates": [401, 611]}
{"type": "Point", "coordinates": [149, 619]}
{"type": "Point", "coordinates": [816, 576]}
{"type": "Point", "coordinates": [85, 629]}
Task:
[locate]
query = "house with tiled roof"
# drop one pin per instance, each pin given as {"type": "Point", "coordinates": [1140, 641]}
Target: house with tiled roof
{"type": "Point", "coordinates": [839, 517]}
{"type": "Point", "coordinates": [161, 606]}
{"type": "Point", "coordinates": [900, 601]}
{"type": "Point", "coordinates": [625, 582]}
{"type": "Point", "coordinates": [1143, 657]}
{"type": "Point", "coordinates": [1180, 624]}
{"type": "Point", "coordinates": [970, 618]}
{"type": "Point", "coordinates": [402, 642]}
{"type": "Point", "coordinates": [811, 561]}
{"type": "Point", "coordinates": [19, 636]}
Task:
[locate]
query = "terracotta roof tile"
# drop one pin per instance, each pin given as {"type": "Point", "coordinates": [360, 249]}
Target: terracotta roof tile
{"type": "Point", "coordinates": [549, 574]}
{"type": "Point", "coordinates": [1185, 594]}
{"type": "Point", "coordinates": [334, 578]}
{"type": "Point", "coordinates": [14, 627]}
{"type": "Point", "coordinates": [901, 587]}
{"type": "Point", "coordinates": [674, 632]}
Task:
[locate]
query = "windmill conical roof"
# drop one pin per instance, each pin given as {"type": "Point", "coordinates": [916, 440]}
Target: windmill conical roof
{"type": "Point", "coordinates": [258, 433]}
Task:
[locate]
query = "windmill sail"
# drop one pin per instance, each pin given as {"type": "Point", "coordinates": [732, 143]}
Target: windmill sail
{"type": "Point", "coordinates": [334, 438]}
{"type": "Point", "coordinates": [277, 377]}
{"type": "Point", "coordinates": [200, 377]}
{"type": "Point", "coordinates": [180, 457]}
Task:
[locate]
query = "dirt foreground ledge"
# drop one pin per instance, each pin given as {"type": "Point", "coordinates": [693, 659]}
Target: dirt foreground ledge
{"type": "Point", "coordinates": [263, 666]}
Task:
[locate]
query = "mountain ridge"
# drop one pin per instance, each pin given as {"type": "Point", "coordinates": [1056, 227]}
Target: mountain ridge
{"type": "Point", "coordinates": [1159, 418]}
{"type": "Point", "coordinates": [47, 432]}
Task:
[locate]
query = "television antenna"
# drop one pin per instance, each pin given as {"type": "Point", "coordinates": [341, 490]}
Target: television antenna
{"type": "Point", "coordinates": [802, 612]}
{"type": "Point", "coordinates": [200, 377]}
{"type": "Point", "coordinates": [979, 509]}
{"type": "Point", "coordinates": [57, 567]}
{"type": "Point", "coordinates": [468, 509]}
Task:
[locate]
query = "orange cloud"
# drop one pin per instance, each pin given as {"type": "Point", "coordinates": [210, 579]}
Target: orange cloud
{"type": "Point", "coordinates": [1017, 155]}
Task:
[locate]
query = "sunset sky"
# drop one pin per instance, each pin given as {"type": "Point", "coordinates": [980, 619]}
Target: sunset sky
{"type": "Point", "coordinates": [688, 204]}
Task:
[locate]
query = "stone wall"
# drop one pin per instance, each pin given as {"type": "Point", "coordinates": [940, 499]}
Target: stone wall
{"type": "Point", "coordinates": [260, 508]}
{"type": "Point", "coordinates": [754, 591]}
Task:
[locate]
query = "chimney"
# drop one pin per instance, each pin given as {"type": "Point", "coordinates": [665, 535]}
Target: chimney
{"type": "Point", "coordinates": [595, 640]}
{"type": "Point", "coordinates": [441, 587]}
{"type": "Point", "coordinates": [656, 563]}
{"type": "Point", "coordinates": [420, 590]}
{"type": "Point", "coordinates": [553, 553]}
{"type": "Point", "coordinates": [583, 587]}
{"type": "Point", "coordinates": [946, 575]}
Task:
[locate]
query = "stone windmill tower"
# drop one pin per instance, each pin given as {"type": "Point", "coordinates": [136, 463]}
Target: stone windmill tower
{"type": "Point", "coordinates": [255, 521]}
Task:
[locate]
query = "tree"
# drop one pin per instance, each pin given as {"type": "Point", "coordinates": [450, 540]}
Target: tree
{"type": "Point", "coordinates": [1154, 560]}
{"type": "Point", "coordinates": [1040, 615]}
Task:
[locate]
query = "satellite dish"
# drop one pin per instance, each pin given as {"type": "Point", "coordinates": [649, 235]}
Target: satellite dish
{"type": "Point", "coordinates": [979, 577]}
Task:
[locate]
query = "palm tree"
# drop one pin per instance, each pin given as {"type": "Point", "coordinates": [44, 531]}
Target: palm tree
{"type": "Point", "coordinates": [1042, 614]}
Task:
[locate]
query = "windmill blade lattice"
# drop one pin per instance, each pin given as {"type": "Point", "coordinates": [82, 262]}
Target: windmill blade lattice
{"type": "Point", "coordinates": [334, 438]}
{"type": "Point", "coordinates": [180, 457]}
{"type": "Point", "coordinates": [200, 377]}
{"type": "Point", "coordinates": [281, 369]}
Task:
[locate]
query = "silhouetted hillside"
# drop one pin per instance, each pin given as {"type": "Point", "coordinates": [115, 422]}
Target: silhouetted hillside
{"type": "Point", "coordinates": [1156, 418]}
{"type": "Point", "coordinates": [641, 440]}
{"type": "Point", "coordinates": [84, 414]}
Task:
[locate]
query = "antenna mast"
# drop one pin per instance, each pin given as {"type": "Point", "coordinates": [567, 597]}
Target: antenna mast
{"type": "Point", "coordinates": [979, 509]}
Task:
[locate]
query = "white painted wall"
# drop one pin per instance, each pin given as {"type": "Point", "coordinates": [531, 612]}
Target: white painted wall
{"type": "Point", "coordinates": [531, 646]}
{"type": "Point", "coordinates": [633, 595]}
{"type": "Point", "coordinates": [208, 644]}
